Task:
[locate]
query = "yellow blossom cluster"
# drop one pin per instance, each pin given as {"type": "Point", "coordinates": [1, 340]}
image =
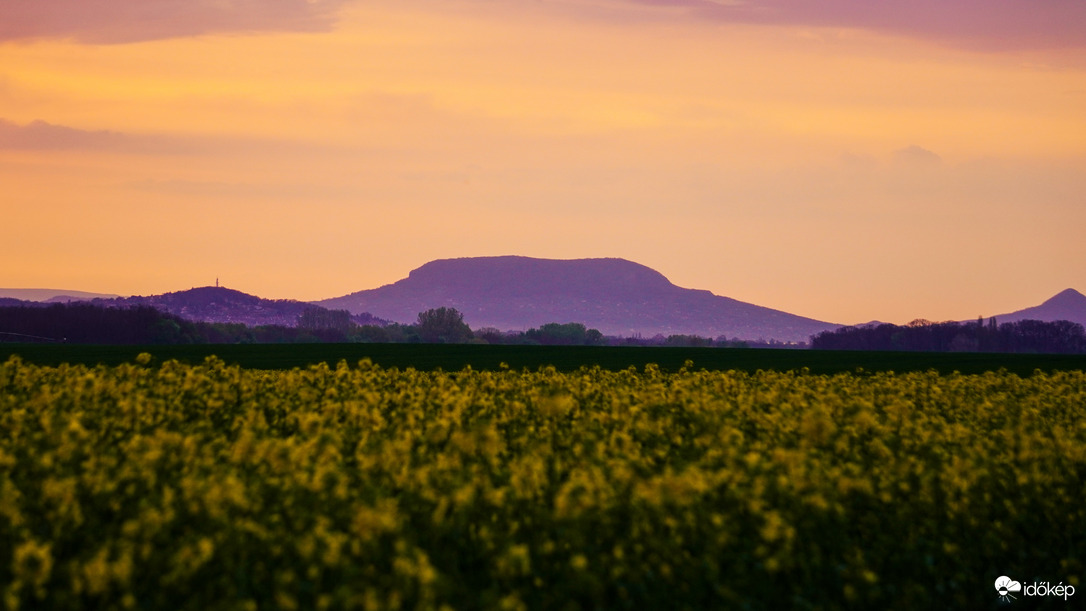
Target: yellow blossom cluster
{"type": "Point", "coordinates": [173, 486]}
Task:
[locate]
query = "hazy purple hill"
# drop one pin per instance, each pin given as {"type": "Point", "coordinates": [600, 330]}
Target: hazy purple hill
{"type": "Point", "coordinates": [220, 304]}
{"type": "Point", "coordinates": [52, 295]}
{"type": "Point", "coordinates": [1065, 305]}
{"type": "Point", "coordinates": [616, 296]}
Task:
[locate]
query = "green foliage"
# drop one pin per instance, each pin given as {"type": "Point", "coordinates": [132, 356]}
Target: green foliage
{"type": "Point", "coordinates": [173, 486]}
{"type": "Point", "coordinates": [451, 357]}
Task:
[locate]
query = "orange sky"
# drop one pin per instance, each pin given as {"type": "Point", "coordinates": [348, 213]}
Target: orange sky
{"type": "Point", "coordinates": [844, 165]}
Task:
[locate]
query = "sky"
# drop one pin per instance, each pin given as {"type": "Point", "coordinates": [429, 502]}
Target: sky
{"type": "Point", "coordinates": [845, 160]}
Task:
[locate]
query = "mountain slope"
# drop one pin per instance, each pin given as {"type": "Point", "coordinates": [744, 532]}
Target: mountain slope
{"type": "Point", "coordinates": [219, 304]}
{"type": "Point", "coordinates": [1068, 304]}
{"type": "Point", "coordinates": [616, 296]}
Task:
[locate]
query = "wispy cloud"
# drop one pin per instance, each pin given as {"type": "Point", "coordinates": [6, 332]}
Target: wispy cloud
{"type": "Point", "coordinates": [124, 21]}
{"type": "Point", "coordinates": [917, 157]}
{"type": "Point", "coordinates": [42, 136]}
{"type": "Point", "coordinates": [249, 191]}
{"type": "Point", "coordinates": [991, 25]}
{"type": "Point", "coordinates": [979, 24]}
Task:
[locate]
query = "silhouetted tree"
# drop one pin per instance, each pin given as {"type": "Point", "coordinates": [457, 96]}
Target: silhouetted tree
{"type": "Point", "coordinates": [443, 326]}
{"type": "Point", "coordinates": [1023, 336]}
{"type": "Point", "coordinates": [491, 335]}
{"type": "Point", "coordinates": [313, 319]}
{"type": "Point", "coordinates": [689, 341]}
{"type": "Point", "coordinates": [90, 324]}
{"type": "Point", "coordinates": [371, 334]}
{"type": "Point", "coordinates": [568, 334]}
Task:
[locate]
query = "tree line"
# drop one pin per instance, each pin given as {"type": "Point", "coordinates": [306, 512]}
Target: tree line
{"type": "Point", "coordinates": [1060, 337]}
{"type": "Point", "coordinates": [85, 323]}
{"type": "Point", "coordinates": [88, 323]}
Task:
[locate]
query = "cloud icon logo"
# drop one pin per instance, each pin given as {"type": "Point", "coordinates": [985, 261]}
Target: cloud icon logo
{"type": "Point", "coordinates": [1005, 585]}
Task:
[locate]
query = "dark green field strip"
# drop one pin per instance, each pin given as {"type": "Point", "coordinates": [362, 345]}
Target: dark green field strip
{"type": "Point", "coordinates": [564, 358]}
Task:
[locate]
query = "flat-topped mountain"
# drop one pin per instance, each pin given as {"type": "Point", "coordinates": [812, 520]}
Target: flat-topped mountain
{"type": "Point", "coordinates": [1068, 304]}
{"type": "Point", "coordinates": [616, 296]}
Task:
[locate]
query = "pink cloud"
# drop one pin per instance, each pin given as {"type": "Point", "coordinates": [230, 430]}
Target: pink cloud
{"type": "Point", "coordinates": [982, 24]}
{"type": "Point", "coordinates": [122, 21]}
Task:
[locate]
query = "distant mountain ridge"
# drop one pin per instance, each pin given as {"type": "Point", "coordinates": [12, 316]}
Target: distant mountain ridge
{"type": "Point", "coordinates": [220, 304]}
{"type": "Point", "coordinates": [1068, 304]}
{"type": "Point", "coordinates": [52, 295]}
{"type": "Point", "coordinates": [616, 296]}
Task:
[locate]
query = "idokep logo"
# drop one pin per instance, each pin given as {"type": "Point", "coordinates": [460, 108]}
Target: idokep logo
{"type": "Point", "coordinates": [1005, 586]}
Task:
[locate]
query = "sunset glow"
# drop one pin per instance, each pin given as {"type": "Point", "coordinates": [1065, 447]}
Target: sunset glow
{"type": "Point", "coordinates": [833, 163]}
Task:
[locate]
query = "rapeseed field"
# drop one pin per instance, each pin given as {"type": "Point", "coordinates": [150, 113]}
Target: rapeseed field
{"type": "Point", "coordinates": [171, 486]}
